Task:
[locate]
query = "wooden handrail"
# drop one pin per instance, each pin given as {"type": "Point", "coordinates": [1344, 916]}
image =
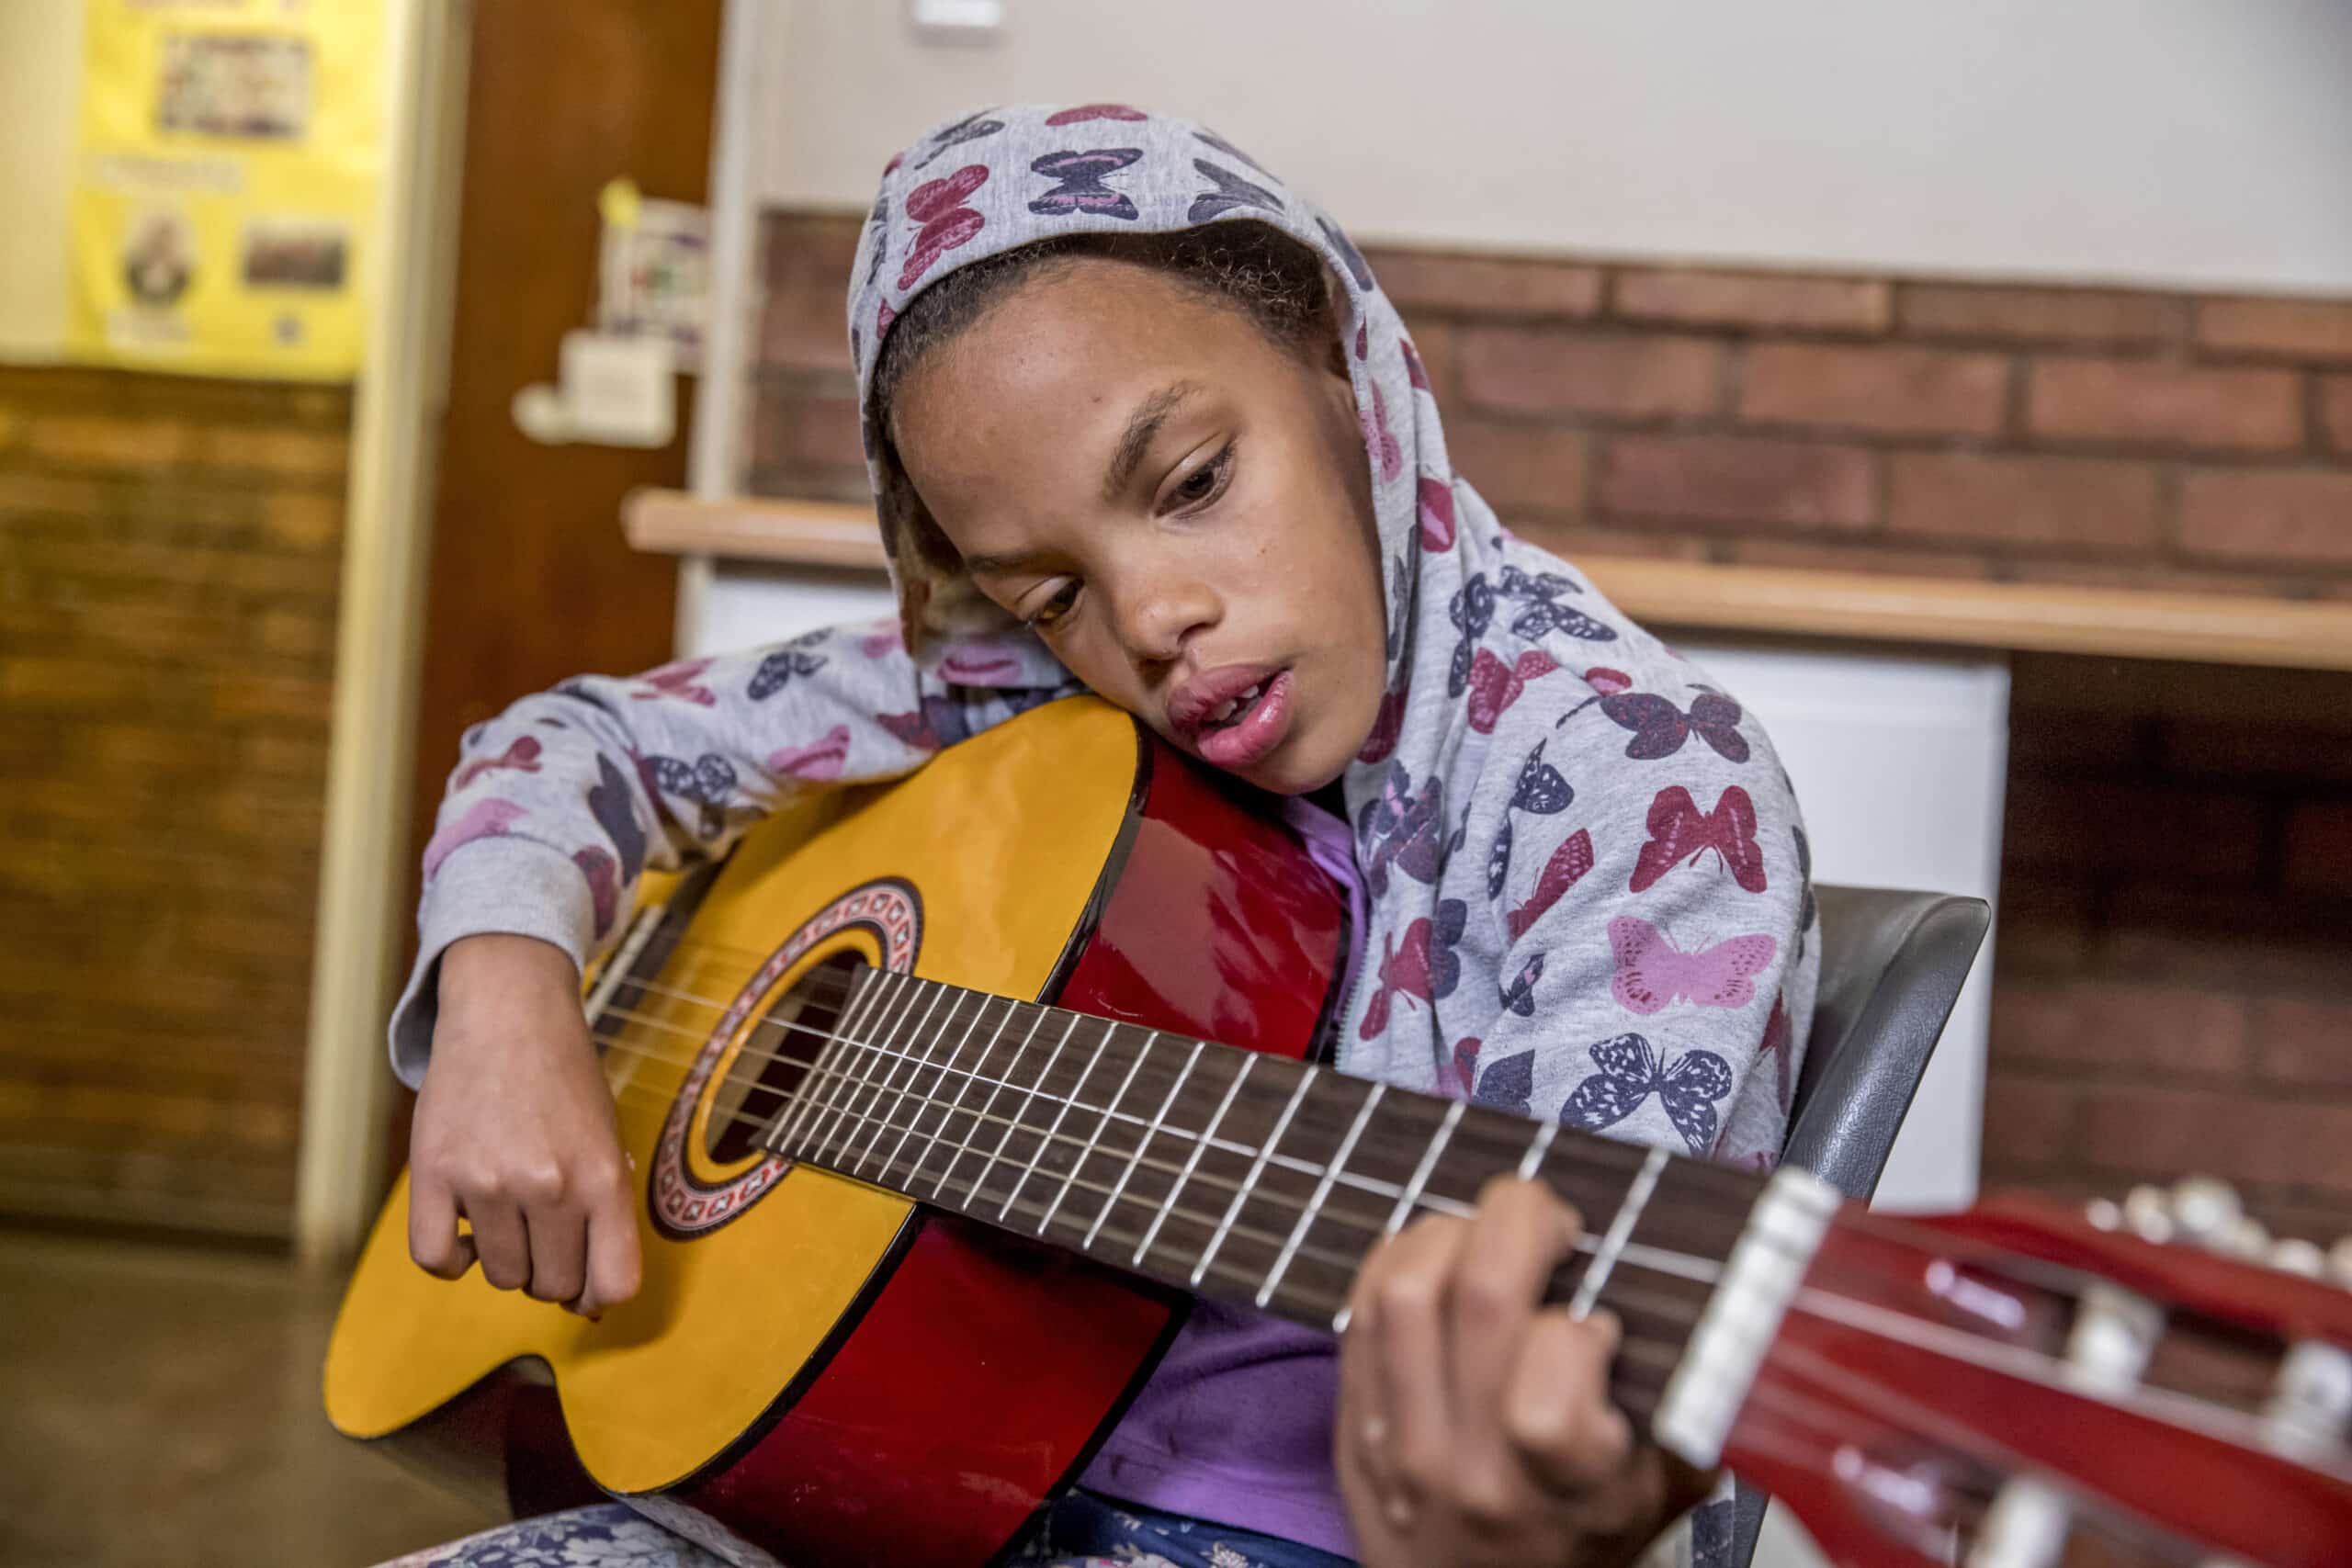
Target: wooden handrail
{"type": "Point", "coordinates": [1863, 607]}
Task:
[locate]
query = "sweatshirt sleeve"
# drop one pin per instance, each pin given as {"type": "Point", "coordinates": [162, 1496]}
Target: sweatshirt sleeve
{"type": "Point", "coordinates": [560, 802]}
{"type": "Point", "coordinates": [1654, 923]}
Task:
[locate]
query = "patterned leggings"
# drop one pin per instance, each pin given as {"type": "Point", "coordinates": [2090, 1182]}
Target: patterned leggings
{"type": "Point", "coordinates": [1081, 1531]}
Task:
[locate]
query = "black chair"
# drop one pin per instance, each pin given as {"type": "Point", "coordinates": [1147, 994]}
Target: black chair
{"type": "Point", "coordinates": [1892, 966]}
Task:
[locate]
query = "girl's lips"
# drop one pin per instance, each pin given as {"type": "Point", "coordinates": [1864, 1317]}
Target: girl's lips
{"type": "Point", "coordinates": [1252, 737]}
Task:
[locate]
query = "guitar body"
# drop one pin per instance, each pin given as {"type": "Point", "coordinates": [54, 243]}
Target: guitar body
{"type": "Point", "coordinates": [825, 1369]}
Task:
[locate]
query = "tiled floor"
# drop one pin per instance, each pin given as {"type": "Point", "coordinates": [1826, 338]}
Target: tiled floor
{"type": "Point", "coordinates": [159, 1406]}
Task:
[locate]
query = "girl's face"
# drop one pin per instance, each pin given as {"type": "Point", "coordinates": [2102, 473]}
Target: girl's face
{"type": "Point", "coordinates": [1178, 506]}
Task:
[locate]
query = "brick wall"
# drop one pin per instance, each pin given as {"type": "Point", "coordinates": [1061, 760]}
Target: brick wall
{"type": "Point", "coordinates": [168, 557]}
{"type": "Point", "coordinates": [2180, 837]}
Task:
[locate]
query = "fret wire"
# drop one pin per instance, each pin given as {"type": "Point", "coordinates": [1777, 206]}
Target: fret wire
{"type": "Point", "coordinates": [947, 1110]}
{"type": "Point", "coordinates": [1336, 1260]}
{"type": "Point", "coordinates": [1620, 1229]}
{"type": "Point", "coordinates": [1421, 1176]}
{"type": "Point", "coordinates": [822, 1095]}
{"type": "Point", "coordinates": [1199, 1146]}
{"type": "Point", "coordinates": [1101, 1122]}
{"type": "Point", "coordinates": [1150, 1133]}
{"type": "Point", "coordinates": [1250, 1182]}
{"type": "Point", "coordinates": [1322, 1189]}
{"type": "Point", "coordinates": [1412, 1192]}
{"type": "Point", "coordinates": [1059, 1116]}
{"type": "Point", "coordinates": [996, 1088]}
{"type": "Point", "coordinates": [1014, 1123]}
{"type": "Point", "coordinates": [1537, 1147]}
{"type": "Point", "coordinates": [805, 1096]}
{"type": "Point", "coordinates": [914, 1066]}
{"type": "Point", "coordinates": [858, 1073]}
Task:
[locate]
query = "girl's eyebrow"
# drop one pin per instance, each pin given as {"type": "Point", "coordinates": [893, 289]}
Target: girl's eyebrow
{"type": "Point", "coordinates": [1142, 426]}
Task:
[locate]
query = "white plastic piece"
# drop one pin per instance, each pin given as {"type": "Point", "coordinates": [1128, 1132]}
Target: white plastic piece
{"type": "Point", "coordinates": [956, 21]}
{"type": "Point", "coordinates": [1737, 1325]}
{"type": "Point", "coordinates": [2296, 1256]}
{"type": "Point", "coordinates": [2113, 1335]}
{"type": "Point", "coordinates": [2206, 1210]}
{"type": "Point", "coordinates": [2148, 1210]}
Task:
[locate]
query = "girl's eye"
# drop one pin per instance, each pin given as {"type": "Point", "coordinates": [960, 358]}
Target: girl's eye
{"type": "Point", "coordinates": [1065, 600]}
{"type": "Point", "coordinates": [1204, 482]}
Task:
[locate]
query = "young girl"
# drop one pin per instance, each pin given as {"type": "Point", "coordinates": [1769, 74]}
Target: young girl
{"type": "Point", "coordinates": [1139, 419]}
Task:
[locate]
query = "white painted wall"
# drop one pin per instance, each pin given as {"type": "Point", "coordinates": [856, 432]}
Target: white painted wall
{"type": "Point", "coordinates": [40, 83]}
{"type": "Point", "coordinates": [2192, 142]}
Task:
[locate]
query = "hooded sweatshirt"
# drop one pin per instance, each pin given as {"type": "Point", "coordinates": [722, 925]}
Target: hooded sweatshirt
{"type": "Point", "coordinates": [1585, 884]}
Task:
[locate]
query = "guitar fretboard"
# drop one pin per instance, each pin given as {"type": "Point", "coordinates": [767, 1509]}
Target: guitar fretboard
{"type": "Point", "coordinates": [1251, 1178]}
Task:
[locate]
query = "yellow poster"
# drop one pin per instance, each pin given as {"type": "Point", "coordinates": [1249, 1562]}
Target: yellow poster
{"type": "Point", "coordinates": [229, 158]}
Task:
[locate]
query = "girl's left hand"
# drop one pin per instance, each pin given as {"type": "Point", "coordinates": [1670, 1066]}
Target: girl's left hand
{"type": "Point", "coordinates": [1475, 1424]}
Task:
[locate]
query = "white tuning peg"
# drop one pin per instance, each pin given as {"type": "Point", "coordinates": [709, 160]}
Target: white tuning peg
{"type": "Point", "coordinates": [2104, 1214]}
{"type": "Point", "coordinates": [2249, 1238]}
{"type": "Point", "coordinates": [2148, 1210]}
{"type": "Point", "coordinates": [2207, 1211]}
{"type": "Point", "coordinates": [2339, 1261]}
{"type": "Point", "coordinates": [2296, 1256]}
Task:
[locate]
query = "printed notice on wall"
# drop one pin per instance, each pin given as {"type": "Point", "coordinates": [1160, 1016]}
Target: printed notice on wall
{"type": "Point", "coordinates": [229, 158]}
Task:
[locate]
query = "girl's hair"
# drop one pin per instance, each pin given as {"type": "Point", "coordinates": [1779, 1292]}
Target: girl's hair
{"type": "Point", "coordinates": [1278, 282]}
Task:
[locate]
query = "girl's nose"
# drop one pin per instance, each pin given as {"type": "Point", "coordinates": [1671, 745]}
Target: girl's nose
{"type": "Point", "coordinates": [1164, 616]}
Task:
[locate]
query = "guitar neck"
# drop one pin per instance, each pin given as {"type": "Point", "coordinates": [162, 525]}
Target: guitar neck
{"type": "Point", "coordinates": [1247, 1177]}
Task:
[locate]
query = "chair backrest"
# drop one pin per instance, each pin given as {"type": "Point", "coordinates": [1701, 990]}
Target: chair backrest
{"type": "Point", "coordinates": [1892, 966]}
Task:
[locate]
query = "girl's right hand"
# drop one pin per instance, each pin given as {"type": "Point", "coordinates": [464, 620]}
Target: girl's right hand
{"type": "Point", "coordinates": [515, 1131]}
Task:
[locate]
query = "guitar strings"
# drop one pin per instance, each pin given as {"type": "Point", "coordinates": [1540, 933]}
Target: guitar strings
{"type": "Point", "coordinates": [1616, 1160]}
{"type": "Point", "coordinates": [2192, 1414]}
{"type": "Point", "coordinates": [845, 1081]}
{"type": "Point", "coordinates": [2166, 1405]}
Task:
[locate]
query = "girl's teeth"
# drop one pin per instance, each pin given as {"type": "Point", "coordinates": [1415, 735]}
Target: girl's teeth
{"type": "Point", "coordinates": [1232, 705]}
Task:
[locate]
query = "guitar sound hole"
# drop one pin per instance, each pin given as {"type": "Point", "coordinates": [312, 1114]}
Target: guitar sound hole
{"type": "Point", "coordinates": [767, 1073]}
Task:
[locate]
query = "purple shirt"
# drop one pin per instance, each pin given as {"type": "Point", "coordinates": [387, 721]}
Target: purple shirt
{"type": "Point", "coordinates": [1235, 1426]}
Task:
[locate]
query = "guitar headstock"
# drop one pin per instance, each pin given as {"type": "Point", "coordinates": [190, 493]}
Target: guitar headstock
{"type": "Point", "coordinates": [2024, 1385]}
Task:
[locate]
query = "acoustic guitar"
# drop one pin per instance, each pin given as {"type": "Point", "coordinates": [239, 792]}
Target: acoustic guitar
{"type": "Point", "coordinates": [934, 1146]}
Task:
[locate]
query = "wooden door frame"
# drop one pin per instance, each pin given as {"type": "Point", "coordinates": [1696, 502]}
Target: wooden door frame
{"type": "Point", "coordinates": [362, 908]}
{"type": "Point", "coordinates": [379, 628]}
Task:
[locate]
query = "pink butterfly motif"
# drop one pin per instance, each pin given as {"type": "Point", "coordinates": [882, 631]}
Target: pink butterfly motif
{"type": "Point", "coordinates": [522, 757]}
{"type": "Point", "coordinates": [1652, 972]}
{"type": "Point", "coordinates": [1413, 372]}
{"type": "Point", "coordinates": [1495, 685]}
{"type": "Point", "coordinates": [822, 761]}
{"type": "Point", "coordinates": [1085, 112]}
{"type": "Point", "coordinates": [1363, 341]}
{"type": "Point", "coordinates": [1563, 870]}
{"type": "Point", "coordinates": [1382, 441]}
{"type": "Point", "coordinates": [483, 820]}
{"type": "Point", "coordinates": [1437, 514]}
{"type": "Point", "coordinates": [969, 665]}
{"type": "Point", "coordinates": [1680, 831]}
{"type": "Point", "coordinates": [882, 640]}
{"type": "Point", "coordinates": [938, 206]}
{"type": "Point", "coordinates": [678, 681]}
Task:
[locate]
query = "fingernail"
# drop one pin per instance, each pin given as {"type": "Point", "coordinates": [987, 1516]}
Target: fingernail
{"type": "Point", "coordinates": [1399, 1511]}
{"type": "Point", "coordinates": [1375, 1432]}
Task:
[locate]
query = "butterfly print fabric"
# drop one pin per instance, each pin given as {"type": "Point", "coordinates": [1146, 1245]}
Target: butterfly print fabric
{"type": "Point", "coordinates": [1566, 834]}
